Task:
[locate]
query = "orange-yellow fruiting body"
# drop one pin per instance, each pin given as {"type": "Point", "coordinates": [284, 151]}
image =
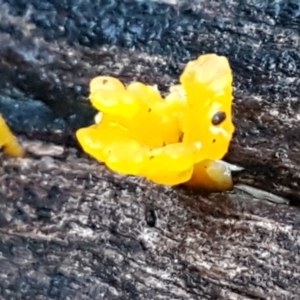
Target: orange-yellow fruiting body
{"type": "Point", "coordinates": [172, 140]}
{"type": "Point", "coordinates": [8, 141]}
{"type": "Point", "coordinates": [212, 175]}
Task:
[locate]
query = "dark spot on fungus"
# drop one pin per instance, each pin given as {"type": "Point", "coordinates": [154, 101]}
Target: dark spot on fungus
{"type": "Point", "coordinates": [218, 118]}
{"type": "Point", "coordinates": [214, 140]}
{"type": "Point", "coordinates": [181, 138]}
{"type": "Point", "coordinates": [104, 81]}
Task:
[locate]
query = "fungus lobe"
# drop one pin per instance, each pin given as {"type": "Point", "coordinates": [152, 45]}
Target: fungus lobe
{"type": "Point", "coordinates": [8, 142]}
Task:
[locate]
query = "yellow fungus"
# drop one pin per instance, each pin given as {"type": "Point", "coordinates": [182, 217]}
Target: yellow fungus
{"type": "Point", "coordinates": [211, 175]}
{"type": "Point", "coordinates": [173, 140]}
{"type": "Point", "coordinates": [8, 141]}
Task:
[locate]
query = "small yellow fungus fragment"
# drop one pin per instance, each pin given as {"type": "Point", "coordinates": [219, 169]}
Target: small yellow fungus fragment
{"type": "Point", "coordinates": [173, 140]}
{"type": "Point", "coordinates": [8, 141]}
{"type": "Point", "coordinates": [211, 175]}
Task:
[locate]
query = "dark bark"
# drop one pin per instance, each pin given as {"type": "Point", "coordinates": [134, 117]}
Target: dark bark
{"type": "Point", "coordinates": [72, 230]}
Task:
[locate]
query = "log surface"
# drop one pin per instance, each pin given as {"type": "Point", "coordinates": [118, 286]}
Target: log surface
{"type": "Point", "coordinates": [70, 229]}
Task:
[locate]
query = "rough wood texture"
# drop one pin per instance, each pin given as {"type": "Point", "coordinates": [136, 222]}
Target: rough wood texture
{"type": "Point", "coordinates": [72, 230]}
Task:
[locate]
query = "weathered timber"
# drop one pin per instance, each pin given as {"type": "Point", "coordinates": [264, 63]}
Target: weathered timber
{"type": "Point", "coordinates": [70, 229]}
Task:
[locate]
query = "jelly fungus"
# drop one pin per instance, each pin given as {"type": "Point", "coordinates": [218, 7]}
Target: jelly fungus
{"type": "Point", "coordinates": [173, 140]}
{"type": "Point", "coordinates": [8, 141]}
